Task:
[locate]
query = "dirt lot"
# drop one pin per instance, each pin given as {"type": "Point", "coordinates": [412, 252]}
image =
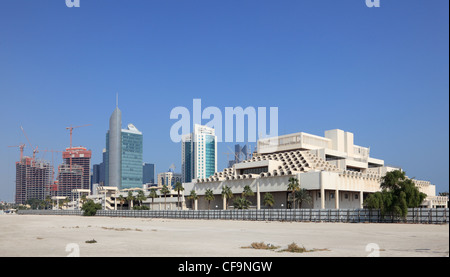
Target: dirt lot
{"type": "Point", "coordinates": [37, 235]}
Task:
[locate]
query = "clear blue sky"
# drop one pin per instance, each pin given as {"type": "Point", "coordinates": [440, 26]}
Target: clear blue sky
{"type": "Point", "coordinates": [381, 73]}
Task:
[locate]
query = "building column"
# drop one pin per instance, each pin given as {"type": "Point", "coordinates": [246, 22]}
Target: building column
{"type": "Point", "coordinates": [224, 202]}
{"type": "Point", "coordinates": [322, 191]}
{"type": "Point", "coordinates": [195, 204]}
{"type": "Point", "coordinates": [322, 197]}
{"type": "Point", "coordinates": [361, 199]}
{"type": "Point", "coordinates": [336, 199]}
{"type": "Point", "coordinates": [258, 197]}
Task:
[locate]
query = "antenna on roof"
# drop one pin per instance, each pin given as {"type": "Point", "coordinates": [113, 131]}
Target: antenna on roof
{"type": "Point", "coordinates": [117, 100]}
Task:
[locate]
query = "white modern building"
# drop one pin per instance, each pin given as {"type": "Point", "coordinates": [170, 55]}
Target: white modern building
{"type": "Point", "coordinates": [336, 172]}
{"type": "Point", "coordinates": [199, 153]}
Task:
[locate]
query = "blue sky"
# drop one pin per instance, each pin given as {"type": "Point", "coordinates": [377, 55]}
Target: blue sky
{"type": "Point", "coordinates": [381, 73]}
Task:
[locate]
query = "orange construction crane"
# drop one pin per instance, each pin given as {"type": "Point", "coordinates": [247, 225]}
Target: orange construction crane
{"type": "Point", "coordinates": [70, 149]}
{"type": "Point", "coordinates": [35, 150]}
{"type": "Point", "coordinates": [21, 146]}
{"type": "Point", "coordinates": [71, 130]}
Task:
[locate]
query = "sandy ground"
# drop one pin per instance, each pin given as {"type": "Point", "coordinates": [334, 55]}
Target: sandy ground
{"type": "Point", "coordinates": [38, 235]}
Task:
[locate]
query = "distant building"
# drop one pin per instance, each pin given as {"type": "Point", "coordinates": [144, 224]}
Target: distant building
{"type": "Point", "coordinates": [132, 152]}
{"type": "Point", "coordinates": [240, 154]}
{"type": "Point", "coordinates": [74, 173]}
{"type": "Point", "coordinates": [123, 156]}
{"type": "Point", "coordinates": [33, 180]}
{"type": "Point", "coordinates": [199, 153]}
{"type": "Point", "coordinates": [148, 173]}
{"type": "Point", "coordinates": [169, 179]}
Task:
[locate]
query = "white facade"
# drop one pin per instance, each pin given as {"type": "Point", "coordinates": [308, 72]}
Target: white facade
{"type": "Point", "coordinates": [199, 153]}
{"type": "Point", "coordinates": [336, 172]}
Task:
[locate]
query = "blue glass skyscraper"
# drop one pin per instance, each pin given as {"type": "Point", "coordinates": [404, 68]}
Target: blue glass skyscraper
{"type": "Point", "coordinates": [123, 156]}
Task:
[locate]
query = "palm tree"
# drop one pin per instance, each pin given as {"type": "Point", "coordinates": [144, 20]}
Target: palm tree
{"type": "Point", "coordinates": [193, 196]}
{"type": "Point", "coordinates": [130, 199]}
{"type": "Point", "coordinates": [48, 200]}
{"type": "Point", "coordinates": [302, 196]}
{"type": "Point", "coordinates": [209, 196]}
{"type": "Point", "coordinates": [178, 187]}
{"type": "Point", "coordinates": [227, 194]}
{"type": "Point", "coordinates": [165, 190]}
{"type": "Point", "coordinates": [241, 203]}
{"type": "Point", "coordinates": [293, 186]}
{"type": "Point", "coordinates": [121, 201]}
{"type": "Point", "coordinates": [247, 191]}
{"type": "Point", "coordinates": [141, 197]}
{"type": "Point", "coordinates": [269, 200]}
{"type": "Point", "coordinates": [153, 195]}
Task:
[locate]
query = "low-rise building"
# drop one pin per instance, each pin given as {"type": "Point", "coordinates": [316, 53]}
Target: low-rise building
{"type": "Point", "coordinates": [336, 172]}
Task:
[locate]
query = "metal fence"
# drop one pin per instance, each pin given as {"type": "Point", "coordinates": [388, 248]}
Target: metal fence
{"type": "Point", "coordinates": [419, 215]}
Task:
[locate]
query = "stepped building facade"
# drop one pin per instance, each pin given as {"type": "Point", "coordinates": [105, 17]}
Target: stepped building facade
{"type": "Point", "coordinates": [336, 173]}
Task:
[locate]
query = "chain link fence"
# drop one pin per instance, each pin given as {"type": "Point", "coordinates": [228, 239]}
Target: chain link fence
{"type": "Point", "coordinates": [416, 215]}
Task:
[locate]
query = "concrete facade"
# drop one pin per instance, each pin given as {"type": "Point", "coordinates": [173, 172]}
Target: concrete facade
{"type": "Point", "coordinates": [336, 172]}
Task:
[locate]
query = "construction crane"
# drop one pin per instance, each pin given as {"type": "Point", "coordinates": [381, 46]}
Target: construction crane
{"type": "Point", "coordinates": [71, 131]}
{"type": "Point", "coordinates": [53, 186]}
{"type": "Point", "coordinates": [21, 146]}
{"type": "Point", "coordinates": [35, 150]}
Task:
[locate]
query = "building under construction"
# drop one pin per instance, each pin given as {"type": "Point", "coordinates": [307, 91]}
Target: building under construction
{"type": "Point", "coordinates": [74, 173]}
{"type": "Point", "coordinates": [33, 180]}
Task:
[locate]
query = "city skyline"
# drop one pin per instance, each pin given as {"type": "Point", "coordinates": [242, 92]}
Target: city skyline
{"type": "Point", "coordinates": [381, 73]}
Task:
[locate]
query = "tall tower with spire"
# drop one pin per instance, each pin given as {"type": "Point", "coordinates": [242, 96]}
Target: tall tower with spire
{"type": "Point", "coordinates": [113, 147]}
{"type": "Point", "coordinates": [124, 151]}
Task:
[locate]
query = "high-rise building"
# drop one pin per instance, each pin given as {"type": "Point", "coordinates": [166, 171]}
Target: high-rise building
{"type": "Point", "coordinates": [240, 154]}
{"type": "Point", "coordinates": [198, 153]}
{"type": "Point", "coordinates": [132, 152]}
{"type": "Point", "coordinates": [33, 180]}
{"type": "Point", "coordinates": [74, 173]}
{"type": "Point", "coordinates": [123, 156]}
{"type": "Point", "coordinates": [114, 149]}
{"type": "Point", "coordinates": [148, 176]}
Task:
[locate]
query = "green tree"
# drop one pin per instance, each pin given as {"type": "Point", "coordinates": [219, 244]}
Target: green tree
{"type": "Point", "coordinates": [90, 208]}
{"type": "Point", "coordinates": [178, 187]}
{"type": "Point", "coordinates": [209, 196]}
{"type": "Point", "coordinates": [153, 195]}
{"type": "Point", "coordinates": [241, 203]}
{"type": "Point", "coordinates": [248, 192]}
{"type": "Point", "coordinates": [226, 194]}
{"type": "Point", "coordinates": [130, 199]}
{"type": "Point", "coordinates": [293, 186]}
{"type": "Point", "coordinates": [48, 201]}
{"type": "Point", "coordinates": [121, 201]}
{"type": "Point", "coordinates": [269, 200]}
{"type": "Point", "coordinates": [141, 197]}
{"type": "Point", "coordinates": [398, 194]}
{"type": "Point", "coordinates": [303, 197]}
{"type": "Point", "coordinates": [165, 190]}
{"type": "Point", "coordinates": [193, 196]}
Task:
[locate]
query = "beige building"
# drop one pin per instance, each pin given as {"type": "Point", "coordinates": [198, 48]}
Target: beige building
{"type": "Point", "coordinates": [169, 179]}
{"type": "Point", "coordinates": [336, 172]}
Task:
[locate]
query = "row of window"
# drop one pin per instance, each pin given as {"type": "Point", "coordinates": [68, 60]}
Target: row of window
{"type": "Point", "coordinates": [346, 195]}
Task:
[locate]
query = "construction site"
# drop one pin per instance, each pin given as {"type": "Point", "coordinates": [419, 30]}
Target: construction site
{"type": "Point", "coordinates": [36, 178]}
